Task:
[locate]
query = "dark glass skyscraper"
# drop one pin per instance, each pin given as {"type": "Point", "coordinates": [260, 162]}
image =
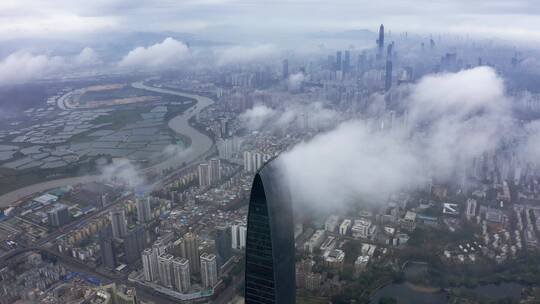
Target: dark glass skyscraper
{"type": "Point", "coordinates": [134, 244]}
{"type": "Point", "coordinates": [223, 242]}
{"type": "Point", "coordinates": [380, 43]}
{"type": "Point", "coordinates": [270, 268]}
{"type": "Point", "coordinates": [108, 257]}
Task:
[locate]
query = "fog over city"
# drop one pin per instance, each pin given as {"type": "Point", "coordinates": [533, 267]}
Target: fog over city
{"type": "Point", "coordinates": [287, 151]}
{"type": "Point", "coordinates": [451, 118]}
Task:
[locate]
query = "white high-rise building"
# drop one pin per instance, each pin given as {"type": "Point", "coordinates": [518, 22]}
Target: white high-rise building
{"type": "Point", "coordinates": [242, 231]}
{"type": "Point", "coordinates": [118, 222]}
{"type": "Point", "coordinates": [204, 175]}
{"type": "Point", "coordinates": [182, 275]}
{"type": "Point", "coordinates": [191, 243]}
{"type": "Point", "coordinates": [238, 236]}
{"type": "Point", "coordinates": [158, 248]}
{"type": "Point", "coordinates": [253, 161]}
{"type": "Point", "coordinates": [165, 264]}
{"type": "Point", "coordinates": [147, 265]}
{"type": "Point", "coordinates": [234, 237]}
{"type": "Point", "coordinates": [228, 148]}
{"type": "Point", "coordinates": [215, 170]}
{"type": "Point", "coordinates": [209, 275]}
{"type": "Point", "coordinates": [344, 227]}
{"type": "Point", "coordinates": [248, 166]}
{"type": "Point", "coordinates": [258, 160]}
{"type": "Point", "coordinates": [144, 211]}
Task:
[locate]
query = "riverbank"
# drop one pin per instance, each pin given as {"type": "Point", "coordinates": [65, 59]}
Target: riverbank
{"type": "Point", "coordinates": [200, 144]}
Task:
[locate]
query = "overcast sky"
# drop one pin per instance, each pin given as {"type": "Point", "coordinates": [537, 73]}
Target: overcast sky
{"type": "Point", "coordinates": [517, 19]}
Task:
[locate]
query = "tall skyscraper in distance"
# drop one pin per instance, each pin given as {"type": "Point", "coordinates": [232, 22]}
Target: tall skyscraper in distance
{"type": "Point", "coordinates": [285, 69]}
{"type": "Point", "coordinates": [380, 42]}
{"type": "Point", "coordinates": [346, 61]}
{"type": "Point", "coordinates": [204, 175]}
{"type": "Point", "coordinates": [118, 222]}
{"type": "Point", "coordinates": [389, 50]}
{"type": "Point", "coordinates": [191, 243]}
{"type": "Point", "coordinates": [209, 275]}
{"type": "Point", "coordinates": [388, 76]}
{"type": "Point", "coordinates": [223, 244]}
{"type": "Point", "coordinates": [215, 170]}
{"type": "Point", "coordinates": [108, 256]}
{"type": "Point", "coordinates": [361, 65]}
{"type": "Point", "coordinates": [338, 60]}
{"type": "Point", "coordinates": [144, 210]}
{"type": "Point", "coordinates": [270, 253]}
{"type": "Point", "coordinates": [182, 276]}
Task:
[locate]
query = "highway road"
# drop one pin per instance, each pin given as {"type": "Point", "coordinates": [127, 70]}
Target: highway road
{"type": "Point", "coordinates": [201, 145]}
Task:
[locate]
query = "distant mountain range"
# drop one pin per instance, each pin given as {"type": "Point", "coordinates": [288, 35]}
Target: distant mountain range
{"type": "Point", "coordinates": [349, 34]}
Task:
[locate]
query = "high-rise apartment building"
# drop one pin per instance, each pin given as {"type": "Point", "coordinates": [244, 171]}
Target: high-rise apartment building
{"type": "Point", "coordinates": [118, 222]}
{"type": "Point", "coordinates": [182, 275]}
{"type": "Point", "coordinates": [204, 175]}
{"type": "Point", "coordinates": [134, 244]}
{"type": "Point", "coordinates": [215, 170]}
{"type": "Point", "coordinates": [144, 210]}
{"type": "Point", "coordinates": [165, 267]}
{"type": "Point", "coordinates": [191, 243]}
{"type": "Point", "coordinates": [223, 244]}
{"type": "Point", "coordinates": [209, 274]}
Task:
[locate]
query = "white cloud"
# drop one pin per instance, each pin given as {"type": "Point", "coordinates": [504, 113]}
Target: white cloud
{"type": "Point", "coordinates": [122, 171]}
{"type": "Point", "coordinates": [257, 116]}
{"type": "Point", "coordinates": [457, 93]}
{"type": "Point", "coordinates": [454, 117]}
{"type": "Point", "coordinates": [295, 81]}
{"type": "Point", "coordinates": [24, 66]}
{"type": "Point", "coordinates": [296, 115]}
{"type": "Point", "coordinates": [168, 54]}
{"type": "Point", "coordinates": [87, 57]}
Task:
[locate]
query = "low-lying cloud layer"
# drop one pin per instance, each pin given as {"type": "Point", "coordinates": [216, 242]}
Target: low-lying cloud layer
{"type": "Point", "coordinates": [451, 119]}
{"type": "Point", "coordinates": [294, 82]}
{"type": "Point", "coordinates": [24, 66]}
{"type": "Point", "coordinates": [167, 54]}
{"type": "Point", "coordinates": [124, 172]}
{"type": "Point", "coordinates": [313, 115]}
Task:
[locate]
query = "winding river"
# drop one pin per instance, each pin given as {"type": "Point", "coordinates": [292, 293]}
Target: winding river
{"type": "Point", "coordinates": [200, 145]}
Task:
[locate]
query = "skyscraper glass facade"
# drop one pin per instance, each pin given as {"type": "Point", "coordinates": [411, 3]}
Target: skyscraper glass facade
{"type": "Point", "coordinates": [270, 269]}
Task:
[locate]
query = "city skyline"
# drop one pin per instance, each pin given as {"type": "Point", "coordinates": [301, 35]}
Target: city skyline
{"type": "Point", "coordinates": [235, 151]}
